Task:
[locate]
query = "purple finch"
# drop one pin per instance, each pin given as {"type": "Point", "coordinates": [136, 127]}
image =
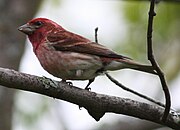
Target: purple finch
{"type": "Point", "coordinates": [70, 56]}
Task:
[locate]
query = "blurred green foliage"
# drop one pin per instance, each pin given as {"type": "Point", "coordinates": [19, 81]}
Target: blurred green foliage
{"type": "Point", "coordinates": [166, 34]}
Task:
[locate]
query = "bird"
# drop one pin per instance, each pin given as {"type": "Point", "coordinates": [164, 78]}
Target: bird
{"type": "Point", "coordinates": [70, 56]}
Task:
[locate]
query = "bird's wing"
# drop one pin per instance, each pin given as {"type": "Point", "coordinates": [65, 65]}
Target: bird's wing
{"type": "Point", "coordinates": [76, 43]}
{"type": "Point", "coordinates": [64, 37]}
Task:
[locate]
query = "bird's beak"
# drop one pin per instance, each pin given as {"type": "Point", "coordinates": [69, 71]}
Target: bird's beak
{"type": "Point", "coordinates": [27, 29]}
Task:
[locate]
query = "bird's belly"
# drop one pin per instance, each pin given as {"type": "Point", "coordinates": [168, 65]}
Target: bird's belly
{"type": "Point", "coordinates": [69, 65]}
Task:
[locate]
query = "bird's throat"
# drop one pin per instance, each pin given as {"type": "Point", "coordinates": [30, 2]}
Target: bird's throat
{"type": "Point", "coordinates": [36, 40]}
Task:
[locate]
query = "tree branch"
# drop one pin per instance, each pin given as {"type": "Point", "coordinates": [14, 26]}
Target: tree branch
{"type": "Point", "coordinates": [155, 65]}
{"type": "Point", "coordinates": [96, 104]}
{"type": "Point", "coordinates": [134, 92]}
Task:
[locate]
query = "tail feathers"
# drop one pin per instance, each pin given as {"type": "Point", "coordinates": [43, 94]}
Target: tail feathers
{"type": "Point", "coordinates": [129, 64]}
{"type": "Point", "coordinates": [143, 68]}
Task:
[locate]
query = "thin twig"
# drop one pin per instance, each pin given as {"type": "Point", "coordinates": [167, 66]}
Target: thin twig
{"type": "Point", "coordinates": [151, 58]}
{"type": "Point", "coordinates": [96, 30]}
{"type": "Point", "coordinates": [132, 91]}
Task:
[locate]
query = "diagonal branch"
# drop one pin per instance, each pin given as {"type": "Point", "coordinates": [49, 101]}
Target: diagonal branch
{"type": "Point", "coordinates": [134, 92]}
{"type": "Point", "coordinates": [154, 63]}
{"type": "Point", "coordinates": [96, 104]}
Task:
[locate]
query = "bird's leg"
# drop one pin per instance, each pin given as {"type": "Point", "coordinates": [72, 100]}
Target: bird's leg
{"type": "Point", "coordinates": [69, 83]}
{"type": "Point", "coordinates": [87, 86]}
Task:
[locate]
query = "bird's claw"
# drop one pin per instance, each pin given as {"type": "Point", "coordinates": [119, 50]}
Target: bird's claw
{"type": "Point", "coordinates": [80, 107]}
{"type": "Point", "coordinates": [88, 88]}
{"type": "Point", "coordinates": [69, 83]}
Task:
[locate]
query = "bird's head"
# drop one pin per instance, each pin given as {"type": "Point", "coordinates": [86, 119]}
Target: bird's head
{"type": "Point", "coordinates": [38, 28]}
{"type": "Point", "coordinates": [38, 25]}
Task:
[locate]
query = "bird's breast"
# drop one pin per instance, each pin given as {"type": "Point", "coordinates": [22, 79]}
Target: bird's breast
{"type": "Point", "coordinates": [68, 65]}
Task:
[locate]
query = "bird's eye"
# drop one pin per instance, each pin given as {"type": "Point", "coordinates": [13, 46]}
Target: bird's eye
{"type": "Point", "coordinates": [38, 23]}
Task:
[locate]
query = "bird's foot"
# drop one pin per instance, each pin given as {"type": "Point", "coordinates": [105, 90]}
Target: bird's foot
{"type": "Point", "coordinates": [88, 88]}
{"type": "Point", "coordinates": [69, 83]}
{"type": "Point", "coordinates": [80, 107]}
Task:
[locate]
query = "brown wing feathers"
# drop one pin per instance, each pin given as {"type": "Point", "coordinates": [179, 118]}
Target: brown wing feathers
{"type": "Point", "coordinates": [65, 42]}
{"type": "Point", "coordinates": [89, 48]}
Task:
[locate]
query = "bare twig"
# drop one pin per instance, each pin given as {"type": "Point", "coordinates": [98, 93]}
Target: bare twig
{"type": "Point", "coordinates": [154, 63]}
{"type": "Point", "coordinates": [96, 38]}
{"type": "Point", "coordinates": [134, 92]}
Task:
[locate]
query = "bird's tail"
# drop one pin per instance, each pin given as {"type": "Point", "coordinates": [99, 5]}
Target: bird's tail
{"type": "Point", "coordinates": [143, 68]}
{"type": "Point", "coordinates": [129, 64]}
